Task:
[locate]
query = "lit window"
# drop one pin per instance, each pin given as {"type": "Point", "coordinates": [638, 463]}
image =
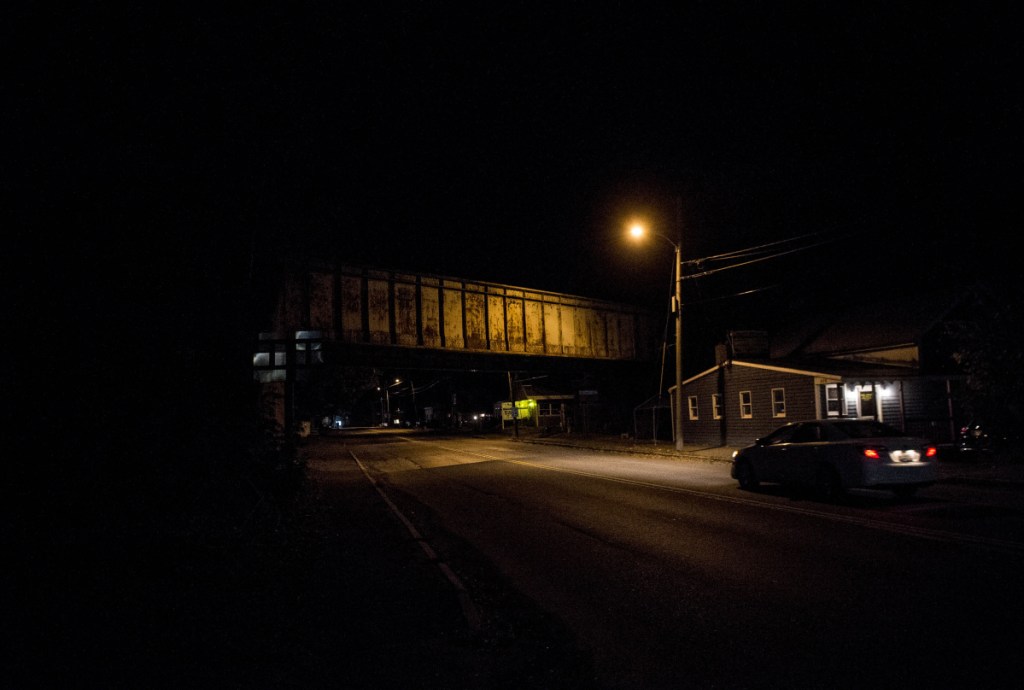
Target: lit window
{"type": "Point", "coordinates": [778, 402]}
{"type": "Point", "coordinates": [692, 402]}
{"type": "Point", "coordinates": [746, 405]}
{"type": "Point", "coordinates": [716, 406]}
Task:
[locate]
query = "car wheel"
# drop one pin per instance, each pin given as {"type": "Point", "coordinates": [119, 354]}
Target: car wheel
{"type": "Point", "coordinates": [828, 484]}
{"type": "Point", "coordinates": [904, 491]}
{"type": "Point", "coordinates": [746, 477]}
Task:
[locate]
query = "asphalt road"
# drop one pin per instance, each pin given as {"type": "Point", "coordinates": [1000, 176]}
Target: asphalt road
{"type": "Point", "coordinates": [668, 576]}
{"type": "Point", "coordinates": [322, 587]}
{"type": "Point", "coordinates": [489, 565]}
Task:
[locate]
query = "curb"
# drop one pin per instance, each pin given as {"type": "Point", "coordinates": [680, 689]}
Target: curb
{"type": "Point", "coordinates": [1009, 475]}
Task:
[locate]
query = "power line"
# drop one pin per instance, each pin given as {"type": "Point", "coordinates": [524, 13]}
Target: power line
{"type": "Point", "coordinates": [730, 296]}
{"type": "Point", "coordinates": [759, 249]}
{"type": "Point", "coordinates": [711, 271]}
{"type": "Point", "coordinates": [749, 252]}
{"type": "Point", "coordinates": [758, 252]}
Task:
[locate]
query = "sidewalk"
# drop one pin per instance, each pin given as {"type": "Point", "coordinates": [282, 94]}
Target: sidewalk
{"type": "Point", "coordinates": [954, 467]}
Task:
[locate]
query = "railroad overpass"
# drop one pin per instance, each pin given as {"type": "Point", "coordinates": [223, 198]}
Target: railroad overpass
{"type": "Point", "coordinates": [395, 319]}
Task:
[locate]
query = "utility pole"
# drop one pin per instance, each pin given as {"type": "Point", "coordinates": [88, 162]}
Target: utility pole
{"type": "Point", "coordinates": [679, 323]}
{"type": "Point", "coordinates": [515, 411]}
{"type": "Point", "coordinates": [415, 414]}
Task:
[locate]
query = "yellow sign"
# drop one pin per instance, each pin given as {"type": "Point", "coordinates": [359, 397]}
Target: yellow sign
{"type": "Point", "coordinates": [507, 412]}
{"type": "Point", "coordinates": [520, 411]}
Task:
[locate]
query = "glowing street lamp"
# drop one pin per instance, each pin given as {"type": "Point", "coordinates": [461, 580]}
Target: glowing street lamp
{"type": "Point", "coordinates": [638, 231]}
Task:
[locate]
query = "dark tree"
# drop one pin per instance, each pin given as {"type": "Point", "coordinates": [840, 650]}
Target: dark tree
{"type": "Point", "coordinates": [987, 345]}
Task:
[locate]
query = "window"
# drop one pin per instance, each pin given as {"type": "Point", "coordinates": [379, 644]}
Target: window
{"type": "Point", "coordinates": [692, 402]}
{"type": "Point", "coordinates": [716, 406]}
{"type": "Point", "coordinates": [832, 399]}
{"type": "Point", "coordinates": [746, 405]}
{"type": "Point", "coordinates": [807, 433]}
{"type": "Point", "coordinates": [547, 409]}
{"type": "Point", "coordinates": [783, 434]}
{"type": "Point", "coordinates": [308, 353]}
{"type": "Point", "coordinates": [778, 402]}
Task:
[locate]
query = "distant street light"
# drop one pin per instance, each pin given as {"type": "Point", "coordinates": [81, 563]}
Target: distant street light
{"type": "Point", "coordinates": [412, 391]}
{"type": "Point", "coordinates": [387, 394]}
{"type": "Point", "coordinates": [638, 230]}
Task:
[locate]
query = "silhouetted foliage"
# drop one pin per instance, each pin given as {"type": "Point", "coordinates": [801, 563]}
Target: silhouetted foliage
{"type": "Point", "coordinates": [987, 345]}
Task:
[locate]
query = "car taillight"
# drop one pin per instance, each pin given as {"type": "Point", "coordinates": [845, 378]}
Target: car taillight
{"type": "Point", "coordinates": [931, 451]}
{"type": "Point", "coordinates": [871, 453]}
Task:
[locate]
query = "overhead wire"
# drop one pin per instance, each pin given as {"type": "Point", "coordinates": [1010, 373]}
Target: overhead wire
{"type": "Point", "coordinates": [759, 254]}
{"type": "Point", "coordinates": [759, 249]}
{"type": "Point", "coordinates": [742, 293]}
{"type": "Point", "coordinates": [753, 255]}
{"type": "Point", "coordinates": [775, 255]}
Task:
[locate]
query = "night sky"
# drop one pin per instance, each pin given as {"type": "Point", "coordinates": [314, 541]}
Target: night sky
{"type": "Point", "coordinates": [511, 142]}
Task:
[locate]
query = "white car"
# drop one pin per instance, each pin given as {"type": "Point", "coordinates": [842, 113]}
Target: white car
{"type": "Point", "coordinates": [838, 454]}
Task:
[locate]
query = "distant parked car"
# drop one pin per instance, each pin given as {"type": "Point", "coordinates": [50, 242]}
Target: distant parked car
{"type": "Point", "coordinates": [982, 437]}
{"type": "Point", "coordinates": [974, 436]}
{"type": "Point", "coordinates": [834, 455]}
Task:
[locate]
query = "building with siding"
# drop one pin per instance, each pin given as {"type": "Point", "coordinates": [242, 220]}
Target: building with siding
{"type": "Point", "coordinates": [887, 362]}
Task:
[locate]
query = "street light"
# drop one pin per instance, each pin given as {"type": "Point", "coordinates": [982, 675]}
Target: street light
{"type": "Point", "coordinates": [387, 395]}
{"type": "Point", "coordinates": [412, 390]}
{"type": "Point", "coordinates": [638, 231]}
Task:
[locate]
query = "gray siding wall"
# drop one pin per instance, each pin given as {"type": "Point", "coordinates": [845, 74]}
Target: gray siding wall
{"type": "Point", "coordinates": [706, 430]}
{"type": "Point", "coordinates": [799, 401]}
{"type": "Point", "coordinates": [927, 409]}
{"type": "Point", "coordinates": [892, 414]}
